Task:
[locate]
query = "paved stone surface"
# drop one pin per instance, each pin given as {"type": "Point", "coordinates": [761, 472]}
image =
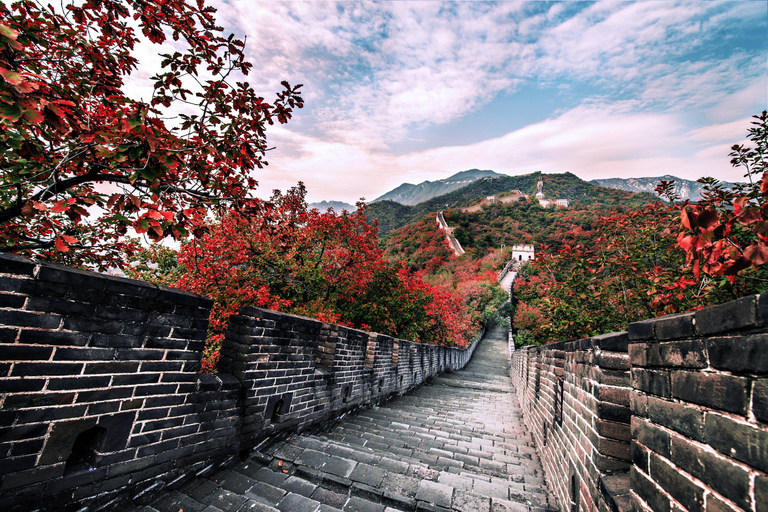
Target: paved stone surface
{"type": "Point", "coordinates": [457, 444]}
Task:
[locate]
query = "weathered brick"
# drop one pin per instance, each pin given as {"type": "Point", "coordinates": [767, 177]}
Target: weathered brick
{"type": "Point", "coordinates": [648, 491]}
{"type": "Point", "coordinates": [8, 335]}
{"type": "Point", "coordinates": [17, 401]}
{"type": "Point", "coordinates": [49, 414]}
{"type": "Point", "coordinates": [54, 337]}
{"type": "Point", "coordinates": [640, 455]}
{"type": "Point", "coordinates": [158, 389]}
{"type": "Point", "coordinates": [612, 342]}
{"type": "Point", "coordinates": [760, 399]}
{"type": "Point", "coordinates": [12, 264]}
{"type": "Point", "coordinates": [641, 330]}
{"type": "Point", "coordinates": [31, 476]}
{"type": "Point", "coordinates": [8, 300]}
{"type": "Point", "coordinates": [113, 393]}
{"type": "Point", "coordinates": [24, 353]}
{"type": "Point", "coordinates": [681, 487]}
{"type": "Point", "coordinates": [651, 436]}
{"type": "Point", "coordinates": [656, 382]}
{"type": "Point", "coordinates": [67, 383]}
{"type": "Point", "coordinates": [111, 367]}
{"type": "Point", "coordinates": [59, 306]}
{"type": "Point", "coordinates": [74, 277]}
{"type": "Point", "coordinates": [123, 354]}
{"type": "Point", "coordinates": [761, 492]}
{"type": "Point", "coordinates": [614, 395]}
{"type": "Point", "coordinates": [719, 391]}
{"type": "Point", "coordinates": [724, 476]}
{"type": "Point", "coordinates": [28, 319]}
{"type": "Point", "coordinates": [639, 404]}
{"type": "Point", "coordinates": [739, 314]}
{"type": "Point", "coordinates": [83, 354]}
{"type": "Point", "coordinates": [125, 340]}
{"type": "Point", "coordinates": [685, 419]}
{"type": "Point", "coordinates": [738, 440]}
{"type": "Point", "coordinates": [613, 412]}
{"type": "Point", "coordinates": [39, 369]}
{"type": "Point", "coordinates": [672, 327]}
{"type": "Point", "coordinates": [614, 430]}
{"type": "Point", "coordinates": [739, 353]}
{"type": "Point", "coordinates": [682, 354]}
{"type": "Point", "coordinates": [16, 385]}
{"type": "Point", "coordinates": [613, 361]}
{"type": "Point", "coordinates": [90, 324]}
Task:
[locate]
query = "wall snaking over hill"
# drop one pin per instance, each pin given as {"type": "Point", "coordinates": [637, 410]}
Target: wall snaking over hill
{"type": "Point", "coordinates": [671, 415]}
{"type": "Point", "coordinates": [100, 395]}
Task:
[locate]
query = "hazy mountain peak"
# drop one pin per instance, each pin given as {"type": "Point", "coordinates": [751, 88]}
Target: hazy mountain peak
{"type": "Point", "coordinates": [414, 194]}
{"type": "Point", "coordinates": [337, 206]}
{"type": "Point", "coordinates": [686, 189]}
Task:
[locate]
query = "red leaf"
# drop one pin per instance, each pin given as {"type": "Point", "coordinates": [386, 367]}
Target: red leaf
{"type": "Point", "coordinates": [736, 266]}
{"type": "Point", "coordinates": [764, 183]}
{"type": "Point", "coordinates": [12, 77]}
{"type": "Point", "coordinates": [686, 220]}
{"type": "Point", "coordinates": [61, 245]}
{"type": "Point", "coordinates": [757, 253]}
{"type": "Point", "coordinates": [749, 215]}
{"type": "Point", "coordinates": [708, 219]}
{"type": "Point", "coordinates": [739, 203]}
{"type": "Point", "coordinates": [59, 206]}
{"type": "Point", "coordinates": [33, 116]}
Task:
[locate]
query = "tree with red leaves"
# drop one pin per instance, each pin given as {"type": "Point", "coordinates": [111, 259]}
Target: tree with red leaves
{"type": "Point", "coordinates": [635, 269]}
{"type": "Point", "coordinates": [283, 256]}
{"type": "Point", "coordinates": [726, 233]}
{"type": "Point", "coordinates": [82, 162]}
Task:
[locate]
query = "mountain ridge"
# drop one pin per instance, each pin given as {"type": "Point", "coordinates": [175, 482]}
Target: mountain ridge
{"type": "Point", "coordinates": [686, 189]}
{"type": "Point", "coordinates": [392, 215]}
{"type": "Point", "coordinates": [410, 194]}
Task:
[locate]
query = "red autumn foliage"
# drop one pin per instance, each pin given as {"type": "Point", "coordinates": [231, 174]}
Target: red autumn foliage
{"type": "Point", "coordinates": [286, 257]}
{"type": "Point", "coordinates": [726, 232]}
{"type": "Point", "coordinates": [79, 147]}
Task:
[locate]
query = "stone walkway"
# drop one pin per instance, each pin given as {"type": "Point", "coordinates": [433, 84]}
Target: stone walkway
{"type": "Point", "coordinates": [458, 443]}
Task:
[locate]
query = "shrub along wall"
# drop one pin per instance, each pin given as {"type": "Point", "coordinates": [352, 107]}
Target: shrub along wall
{"type": "Point", "coordinates": [101, 399]}
{"type": "Point", "coordinates": [670, 416]}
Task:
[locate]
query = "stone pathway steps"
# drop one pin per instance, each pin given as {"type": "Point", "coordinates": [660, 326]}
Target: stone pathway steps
{"type": "Point", "coordinates": [456, 444]}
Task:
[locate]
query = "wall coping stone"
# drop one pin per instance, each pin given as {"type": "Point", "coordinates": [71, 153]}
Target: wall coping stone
{"type": "Point", "coordinates": [742, 314]}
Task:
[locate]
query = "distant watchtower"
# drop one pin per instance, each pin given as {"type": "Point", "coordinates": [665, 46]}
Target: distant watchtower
{"type": "Point", "coordinates": [523, 253]}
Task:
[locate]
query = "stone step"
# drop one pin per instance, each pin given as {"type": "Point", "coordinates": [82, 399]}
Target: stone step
{"type": "Point", "coordinates": [457, 444]}
{"type": "Point", "coordinates": [394, 482]}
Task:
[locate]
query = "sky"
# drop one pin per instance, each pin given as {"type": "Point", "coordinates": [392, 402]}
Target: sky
{"type": "Point", "coordinates": [407, 91]}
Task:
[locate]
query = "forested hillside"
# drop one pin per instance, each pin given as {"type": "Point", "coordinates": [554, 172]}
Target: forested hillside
{"type": "Point", "coordinates": [580, 193]}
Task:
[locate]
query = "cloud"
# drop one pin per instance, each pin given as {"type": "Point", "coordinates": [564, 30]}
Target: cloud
{"type": "Point", "coordinates": [376, 71]}
{"type": "Point", "coordinates": [654, 87]}
{"type": "Point", "coordinates": [595, 141]}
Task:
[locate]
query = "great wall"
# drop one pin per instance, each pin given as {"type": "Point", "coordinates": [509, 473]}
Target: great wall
{"type": "Point", "coordinates": [103, 408]}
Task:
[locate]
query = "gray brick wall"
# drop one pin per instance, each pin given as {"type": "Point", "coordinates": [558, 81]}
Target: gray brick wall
{"type": "Point", "coordinates": [100, 393]}
{"type": "Point", "coordinates": [670, 416]}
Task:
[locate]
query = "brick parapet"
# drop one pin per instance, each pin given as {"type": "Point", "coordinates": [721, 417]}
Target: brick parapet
{"type": "Point", "coordinates": [670, 416]}
{"type": "Point", "coordinates": [101, 399]}
{"type": "Point", "coordinates": [576, 403]}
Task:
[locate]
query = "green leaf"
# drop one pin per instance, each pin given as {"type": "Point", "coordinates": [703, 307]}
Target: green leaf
{"type": "Point", "coordinates": [149, 173]}
{"type": "Point", "coordinates": [10, 112]}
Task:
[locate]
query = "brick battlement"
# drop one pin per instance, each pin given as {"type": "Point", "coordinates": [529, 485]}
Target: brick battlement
{"type": "Point", "coordinates": [671, 415]}
{"type": "Point", "coordinates": [100, 394]}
